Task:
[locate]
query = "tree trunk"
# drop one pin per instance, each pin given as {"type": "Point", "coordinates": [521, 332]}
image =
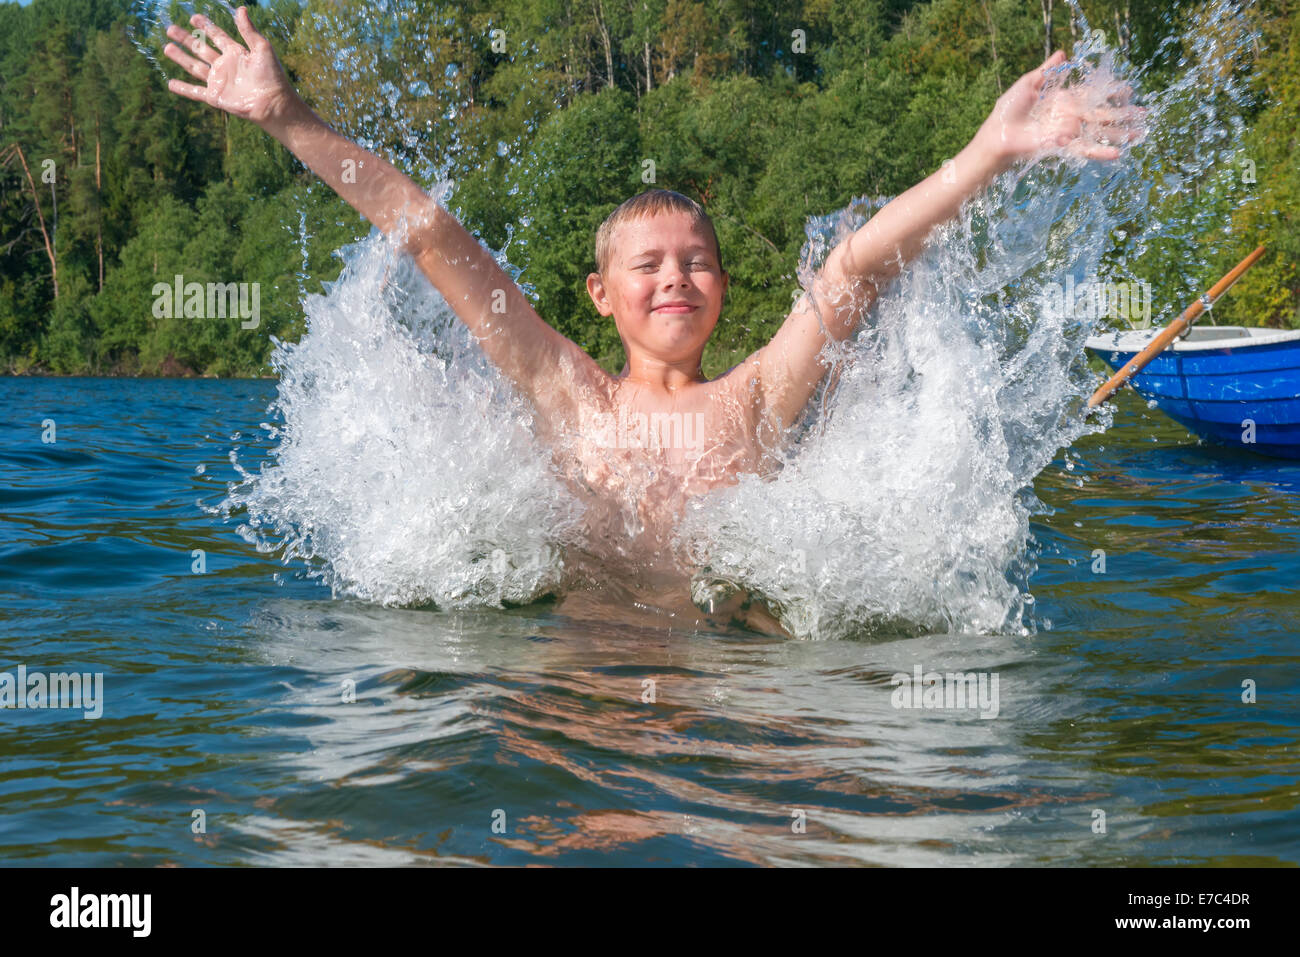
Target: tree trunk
{"type": "Point", "coordinates": [36, 200]}
{"type": "Point", "coordinates": [604, 38]}
{"type": "Point", "coordinates": [649, 73]}
{"type": "Point", "coordinates": [993, 43]}
{"type": "Point", "coordinates": [99, 212]}
{"type": "Point", "coordinates": [1047, 27]}
{"type": "Point", "coordinates": [1123, 32]}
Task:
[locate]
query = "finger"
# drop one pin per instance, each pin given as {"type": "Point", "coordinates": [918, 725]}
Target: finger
{"type": "Point", "coordinates": [214, 33]}
{"type": "Point", "coordinates": [195, 44]}
{"type": "Point", "coordinates": [1118, 122]}
{"type": "Point", "coordinates": [1108, 114]}
{"type": "Point", "coordinates": [1121, 96]}
{"type": "Point", "coordinates": [1040, 75]}
{"type": "Point", "coordinates": [1114, 132]}
{"type": "Point", "coordinates": [1108, 140]}
{"type": "Point", "coordinates": [195, 68]}
{"type": "Point", "coordinates": [188, 90]}
{"type": "Point", "coordinates": [246, 29]}
{"type": "Point", "coordinates": [1067, 131]}
{"type": "Point", "coordinates": [1118, 137]}
{"type": "Point", "coordinates": [1114, 121]}
{"type": "Point", "coordinates": [1087, 151]}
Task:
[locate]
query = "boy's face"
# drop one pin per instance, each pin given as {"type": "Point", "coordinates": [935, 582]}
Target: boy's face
{"type": "Point", "coordinates": [663, 286]}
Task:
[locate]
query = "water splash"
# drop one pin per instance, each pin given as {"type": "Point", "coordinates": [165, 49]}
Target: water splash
{"type": "Point", "coordinates": [342, 49]}
{"type": "Point", "coordinates": [907, 500]}
{"type": "Point", "coordinates": [408, 471]}
{"type": "Point", "coordinates": [147, 26]}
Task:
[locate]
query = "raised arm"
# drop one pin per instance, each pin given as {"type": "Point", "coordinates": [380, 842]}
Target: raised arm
{"type": "Point", "coordinates": [789, 367]}
{"type": "Point", "coordinates": [250, 83]}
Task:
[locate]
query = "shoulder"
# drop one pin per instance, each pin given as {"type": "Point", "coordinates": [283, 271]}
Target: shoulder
{"type": "Point", "coordinates": [740, 382]}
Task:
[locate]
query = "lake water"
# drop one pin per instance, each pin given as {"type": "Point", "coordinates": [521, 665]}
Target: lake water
{"type": "Point", "coordinates": [522, 736]}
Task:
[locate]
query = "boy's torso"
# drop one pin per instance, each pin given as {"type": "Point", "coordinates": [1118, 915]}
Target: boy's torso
{"type": "Point", "coordinates": [636, 456]}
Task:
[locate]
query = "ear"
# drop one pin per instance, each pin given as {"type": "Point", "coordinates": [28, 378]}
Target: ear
{"type": "Point", "coordinates": [596, 290]}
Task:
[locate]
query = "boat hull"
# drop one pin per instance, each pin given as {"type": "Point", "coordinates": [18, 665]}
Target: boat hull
{"type": "Point", "coordinates": [1239, 391]}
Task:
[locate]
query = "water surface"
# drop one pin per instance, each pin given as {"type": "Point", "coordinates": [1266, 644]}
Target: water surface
{"type": "Point", "coordinates": [227, 691]}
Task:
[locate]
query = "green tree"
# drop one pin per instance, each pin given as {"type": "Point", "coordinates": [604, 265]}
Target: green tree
{"type": "Point", "coordinates": [584, 162]}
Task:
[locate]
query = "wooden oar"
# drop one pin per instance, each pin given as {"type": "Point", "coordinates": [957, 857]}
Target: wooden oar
{"type": "Point", "coordinates": [1174, 330]}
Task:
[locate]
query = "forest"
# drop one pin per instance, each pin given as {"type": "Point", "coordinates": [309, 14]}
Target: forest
{"type": "Point", "coordinates": [544, 114]}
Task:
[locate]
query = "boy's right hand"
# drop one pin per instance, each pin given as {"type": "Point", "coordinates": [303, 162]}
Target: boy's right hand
{"type": "Point", "coordinates": [251, 84]}
{"type": "Point", "coordinates": [248, 83]}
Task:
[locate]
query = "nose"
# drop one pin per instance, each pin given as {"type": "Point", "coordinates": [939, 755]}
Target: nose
{"type": "Point", "coordinates": [674, 275]}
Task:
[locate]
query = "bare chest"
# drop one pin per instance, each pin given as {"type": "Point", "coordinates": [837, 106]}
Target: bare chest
{"type": "Point", "coordinates": [644, 461]}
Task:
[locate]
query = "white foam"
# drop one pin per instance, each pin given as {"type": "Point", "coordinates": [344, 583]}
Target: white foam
{"type": "Point", "coordinates": [408, 472]}
{"type": "Point", "coordinates": [906, 502]}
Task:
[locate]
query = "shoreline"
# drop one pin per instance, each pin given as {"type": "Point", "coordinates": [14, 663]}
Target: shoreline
{"type": "Point", "coordinates": [124, 375]}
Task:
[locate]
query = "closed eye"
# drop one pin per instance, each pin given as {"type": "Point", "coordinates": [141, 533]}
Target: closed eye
{"type": "Point", "coordinates": [694, 262]}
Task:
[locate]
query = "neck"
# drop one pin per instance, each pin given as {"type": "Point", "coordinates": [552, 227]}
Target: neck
{"type": "Point", "coordinates": [658, 374]}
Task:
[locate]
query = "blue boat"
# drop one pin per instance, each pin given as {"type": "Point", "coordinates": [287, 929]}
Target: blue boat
{"type": "Point", "coordinates": [1232, 385]}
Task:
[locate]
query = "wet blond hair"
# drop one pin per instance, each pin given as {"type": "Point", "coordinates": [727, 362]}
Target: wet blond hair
{"type": "Point", "coordinates": [651, 203]}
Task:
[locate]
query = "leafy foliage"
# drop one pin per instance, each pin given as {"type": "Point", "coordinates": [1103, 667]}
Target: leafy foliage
{"type": "Point", "coordinates": [546, 114]}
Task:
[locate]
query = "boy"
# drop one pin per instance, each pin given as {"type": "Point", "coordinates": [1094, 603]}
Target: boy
{"type": "Point", "coordinates": [638, 445]}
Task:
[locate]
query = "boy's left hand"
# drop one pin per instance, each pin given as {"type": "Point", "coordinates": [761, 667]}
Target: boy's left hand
{"type": "Point", "coordinates": [1090, 122]}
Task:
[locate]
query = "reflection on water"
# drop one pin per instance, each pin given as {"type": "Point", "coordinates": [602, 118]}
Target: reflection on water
{"type": "Point", "coordinates": [230, 693]}
{"type": "Point", "coordinates": [739, 735]}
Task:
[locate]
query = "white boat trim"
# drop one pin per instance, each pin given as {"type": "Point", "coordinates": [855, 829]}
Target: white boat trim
{"type": "Point", "coordinates": [1198, 339]}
